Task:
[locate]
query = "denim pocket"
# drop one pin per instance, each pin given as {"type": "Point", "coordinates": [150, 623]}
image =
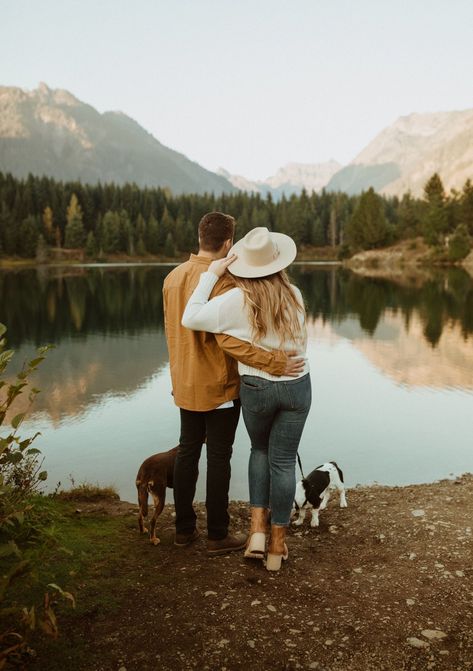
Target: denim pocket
{"type": "Point", "coordinates": [254, 393]}
{"type": "Point", "coordinates": [300, 393]}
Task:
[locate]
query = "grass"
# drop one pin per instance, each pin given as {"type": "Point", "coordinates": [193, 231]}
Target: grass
{"type": "Point", "coordinates": [83, 554]}
{"type": "Point", "coordinates": [88, 492]}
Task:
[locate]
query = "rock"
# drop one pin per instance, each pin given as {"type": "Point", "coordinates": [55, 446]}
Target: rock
{"type": "Point", "coordinates": [210, 593]}
{"type": "Point", "coordinates": [255, 602]}
{"type": "Point", "coordinates": [418, 513]}
{"type": "Point", "coordinates": [417, 643]}
{"type": "Point", "coordinates": [328, 642]}
{"type": "Point", "coordinates": [271, 608]}
{"type": "Point", "coordinates": [251, 644]}
{"type": "Point", "coordinates": [223, 642]}
{"type": "Point", "coordinates": [410, 602]}
{"type": "Point", "coordinates": [357, 570]}
{"type": "Point", "coordinates": [412, 556]}
{"type": "Point", "coordinates": [433, 634]}
{"type": "Point", "coordinates": [459, 574]}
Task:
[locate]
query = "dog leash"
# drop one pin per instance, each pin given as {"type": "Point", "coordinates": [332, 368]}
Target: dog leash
{"type": "Point", "coordinates": [300, 465]}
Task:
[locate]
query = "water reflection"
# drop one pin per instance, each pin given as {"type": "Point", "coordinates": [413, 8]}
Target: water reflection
{"type": "Point", "coordinates": [438, 297]}
{"type": "Point", "coordinates": [49, 305]}
{"type": "Point", "coordinates": [108, 325]}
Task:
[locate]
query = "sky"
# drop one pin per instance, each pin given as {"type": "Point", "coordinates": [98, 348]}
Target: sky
{"type": "Point", "coordinates": [248, 85]}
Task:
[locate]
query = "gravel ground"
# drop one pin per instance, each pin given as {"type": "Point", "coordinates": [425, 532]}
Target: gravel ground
{"type": "Point", "coordinates": [386, 583]}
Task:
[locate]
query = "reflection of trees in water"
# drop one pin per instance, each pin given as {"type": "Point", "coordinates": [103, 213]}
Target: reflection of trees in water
{"type": "Point", "coordinates": [41, 306]}
{"type": "Point", "coordinates": [447, 296]}
{"type": "Point", "coordinates": [42, 309]}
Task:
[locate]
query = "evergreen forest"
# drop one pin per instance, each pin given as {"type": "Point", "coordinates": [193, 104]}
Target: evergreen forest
{"type": "Point", "coordinates": [39, 214]}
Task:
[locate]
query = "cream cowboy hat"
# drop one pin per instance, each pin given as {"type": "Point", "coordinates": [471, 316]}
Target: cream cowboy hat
{"type": "Point", "coordinates": [262, 252]}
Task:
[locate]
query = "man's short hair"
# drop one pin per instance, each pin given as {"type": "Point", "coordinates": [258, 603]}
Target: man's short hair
{"type": "Point", "coordinates": [214, 229]}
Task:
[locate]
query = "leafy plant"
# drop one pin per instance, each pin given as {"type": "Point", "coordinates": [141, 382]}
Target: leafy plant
{"type": "Point", "coordinates": [24, 528]}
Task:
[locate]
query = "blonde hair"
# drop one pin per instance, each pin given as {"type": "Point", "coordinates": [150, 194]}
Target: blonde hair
{"type": "Point", "coordinates": [273, 305]}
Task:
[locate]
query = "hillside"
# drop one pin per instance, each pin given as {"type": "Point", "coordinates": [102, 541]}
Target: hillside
{"type": "Point", "coordinates": [404, 155]}
{"type": "Point", "coordinates": [50, 132]}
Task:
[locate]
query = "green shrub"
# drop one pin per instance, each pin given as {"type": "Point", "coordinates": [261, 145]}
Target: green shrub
{"type": "Point", "coordinates": [25, 525]}
{"type": "Point", "coordinates": [459, 244]}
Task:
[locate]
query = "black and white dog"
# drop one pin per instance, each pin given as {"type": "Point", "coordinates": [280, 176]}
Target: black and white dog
{"type": "Point", "coordinates": [313, 492]}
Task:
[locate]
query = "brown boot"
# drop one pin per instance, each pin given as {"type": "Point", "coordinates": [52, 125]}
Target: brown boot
{"type": "Point", "coordinates": [277, 549]}
{"type": "Point", "coordinates": [230, 543]}
{"type": "Point", "coordinates": [257, 539]}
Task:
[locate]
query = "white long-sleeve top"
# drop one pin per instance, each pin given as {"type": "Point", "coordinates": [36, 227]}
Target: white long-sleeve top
{"type": "Point", "coordinates": [228, 313]}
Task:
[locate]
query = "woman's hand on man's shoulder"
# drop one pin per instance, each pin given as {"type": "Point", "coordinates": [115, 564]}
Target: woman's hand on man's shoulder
{"type": "Point", "coordinates": [219, 266]}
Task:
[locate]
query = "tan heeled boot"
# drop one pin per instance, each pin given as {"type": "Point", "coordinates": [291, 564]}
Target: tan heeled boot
{"type": "Point", "coordinates": [256, 545]}
{"type": "Point", "coordinates": [277, 550]}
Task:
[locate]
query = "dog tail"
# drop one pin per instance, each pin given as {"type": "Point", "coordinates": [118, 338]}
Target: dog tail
{"type": "Point", "coordinates": [142, 497]}
{"type": "Point", "coordinates": [340, 472]}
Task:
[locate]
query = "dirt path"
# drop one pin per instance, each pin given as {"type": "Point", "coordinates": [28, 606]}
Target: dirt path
{"type": "Point", "coordinates": [385, 584]}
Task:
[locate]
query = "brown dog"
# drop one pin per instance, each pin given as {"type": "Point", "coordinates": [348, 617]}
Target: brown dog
{"type": "Point", "coordinates": [155, 474]}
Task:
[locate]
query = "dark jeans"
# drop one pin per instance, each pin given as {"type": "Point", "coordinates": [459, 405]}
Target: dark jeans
{"type": "Point", "coordinates": [274, 414]}
{"type": "Point", "coordinates": [217, 429]}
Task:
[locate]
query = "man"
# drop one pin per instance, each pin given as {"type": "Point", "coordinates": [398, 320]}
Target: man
{"type": "Point", "coordinates": [205, 385]}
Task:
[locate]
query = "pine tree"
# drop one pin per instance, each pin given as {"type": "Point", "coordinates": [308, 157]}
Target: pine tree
{"type": "Point", "coordinates": [367, 227]}
{"type": "Point", "coordinates": [75, 233]}
{"type": "Point", "coordinates": [111, 232]}
{"type": "Point", "coordinates": [459, 244]}
{"type": "Point", "coordinates": [140, 247]}
{"type": "Point", "coordinates": [169, 246]}
{"type": "Point", "coordinates": [408, 217]}
{"type": "Point", "coordinates": [435, 221]}
{"type": "Point", "coordinates": [48, 224]}
{"type": "Point", "coordinates": [125, 232]}
{"type": "Point", "coordinates": [152, 236]}
{"type": "Point", "coordinates": [28, 237]}
{"type": "Point", "coordinates": [466, 206]}
{"type": "Point", "coordinates": [91, 245]}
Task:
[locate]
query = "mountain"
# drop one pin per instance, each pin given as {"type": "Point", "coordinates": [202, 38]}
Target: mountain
{"type": "Point", "coordinates": [404, 155]}
{"type": "Point", "coordinates": [50, 132]}
{"type": "Point", "coordinates": [291, 178]}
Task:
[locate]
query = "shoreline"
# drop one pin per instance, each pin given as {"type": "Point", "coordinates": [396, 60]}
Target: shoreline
{"type": "Point", "coordinates": [357, 487]}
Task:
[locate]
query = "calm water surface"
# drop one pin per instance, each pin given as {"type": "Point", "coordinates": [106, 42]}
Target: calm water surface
{"type": "Point", "coordinates": [391, 366]}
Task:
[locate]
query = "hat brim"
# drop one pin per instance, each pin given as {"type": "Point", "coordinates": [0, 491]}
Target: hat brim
{"type": "Point", "coordinates": [287, 254]}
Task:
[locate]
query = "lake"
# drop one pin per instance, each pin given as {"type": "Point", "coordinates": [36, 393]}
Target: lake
{"type": "Point", "coordinates": [391, 366]}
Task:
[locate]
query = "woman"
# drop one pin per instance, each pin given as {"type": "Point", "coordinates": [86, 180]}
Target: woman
{"type": "Point", "coordinates": [263, 308]}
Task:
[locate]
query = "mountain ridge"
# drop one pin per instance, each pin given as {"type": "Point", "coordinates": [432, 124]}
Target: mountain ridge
{"type": "Point", "coordinates": [51, 132]}
{"type": "Point", "coordinates": [291, 178]}
{"type": "Point", "coordinates": [405, 154]}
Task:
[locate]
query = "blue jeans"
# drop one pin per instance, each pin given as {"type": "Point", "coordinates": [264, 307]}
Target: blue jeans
{"type": "Point", "coordinates": [274, 415]}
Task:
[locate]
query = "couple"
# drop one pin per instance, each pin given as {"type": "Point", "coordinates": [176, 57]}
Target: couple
{"type": "Point", "coordinates": [252, 315]}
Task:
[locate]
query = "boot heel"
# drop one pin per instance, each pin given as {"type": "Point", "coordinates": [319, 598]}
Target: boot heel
{"type": "Point", "coordinates": [256, 546]}
{"type": "Point", "coordinates": [273, 562]}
